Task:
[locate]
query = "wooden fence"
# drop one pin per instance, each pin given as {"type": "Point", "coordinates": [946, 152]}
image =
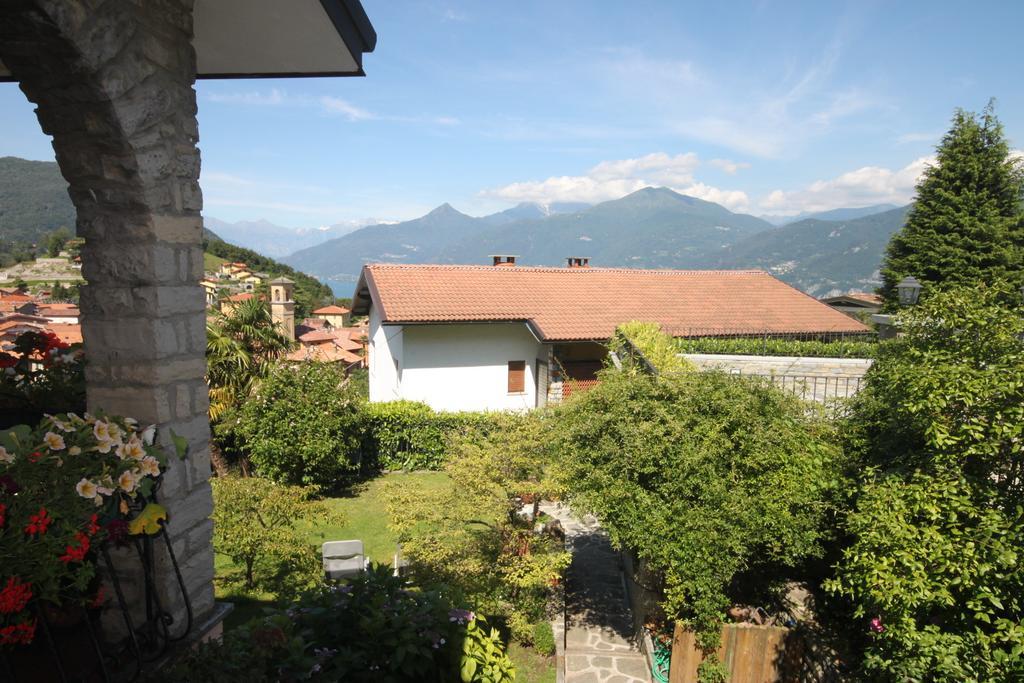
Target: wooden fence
{"type": "Point", "coordinates": [752, 654]}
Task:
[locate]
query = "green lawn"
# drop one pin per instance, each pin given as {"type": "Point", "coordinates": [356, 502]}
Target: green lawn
{"type": "Point", "coordinates": [365, 517]}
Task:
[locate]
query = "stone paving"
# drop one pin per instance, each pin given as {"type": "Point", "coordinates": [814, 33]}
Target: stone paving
{"type": "Point", "coordinates": [599, 646]}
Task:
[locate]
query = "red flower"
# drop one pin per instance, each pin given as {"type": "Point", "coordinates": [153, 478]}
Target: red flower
{"type": "Point", "coordinates": [76, 553]}
{"type": "Point", "coordinates": [92, 527]}
{"type": "Point", "coordinates": [14, 596]}
{"type": "Point", "coordinates": [34, 456]}
{"type": "Point", "coordinates": [3, 515]}
{"type": "Point", "coordinates": [38, 523]}
{"type": "Point", "coordinates": [7, 360]}
{"type": "Point", "coordinates": [18, 634]}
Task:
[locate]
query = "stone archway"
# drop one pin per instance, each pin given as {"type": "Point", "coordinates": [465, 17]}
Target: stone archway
{"type": "Point", "coordinates": [112, 81]}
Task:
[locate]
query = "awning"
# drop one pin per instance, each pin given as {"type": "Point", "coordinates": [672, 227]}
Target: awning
{"type": "Point", "coordinates": [278, 38]}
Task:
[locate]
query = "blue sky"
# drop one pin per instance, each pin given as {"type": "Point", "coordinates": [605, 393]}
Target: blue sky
{"type": "Point", "coordinates": [766, 107]}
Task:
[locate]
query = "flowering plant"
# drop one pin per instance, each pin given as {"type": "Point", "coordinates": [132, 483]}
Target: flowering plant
{"type": "Point", "coordinates": [40, 373]}
{"type": "Point", "coordinates": [66, 486]}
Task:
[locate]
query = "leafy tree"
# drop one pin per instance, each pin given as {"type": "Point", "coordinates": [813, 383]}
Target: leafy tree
{"type": "Point", "coordinates": [56, 240]}
{"type": "Point", "coordinates": [241, 348]}
{"type": "Point", "coordinates": [302, 425]}
{"type": "Point", "coordinates": [937, 532]}
{"type": "Point", "coordinates": [470, 536]}
{"type": "Point", "coordinates": [966, 223]}
{"type": "Point", "coordinates": [707, 477]}
{"type": "Point", "coordinates": [255, 525]}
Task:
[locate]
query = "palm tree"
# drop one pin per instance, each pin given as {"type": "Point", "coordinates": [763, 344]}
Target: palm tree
{"type": "Point", "coordinates": [241, 347]}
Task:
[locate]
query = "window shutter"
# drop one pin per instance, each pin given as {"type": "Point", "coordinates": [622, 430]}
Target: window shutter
{"type": "Point", "coordinates": [516, 376]}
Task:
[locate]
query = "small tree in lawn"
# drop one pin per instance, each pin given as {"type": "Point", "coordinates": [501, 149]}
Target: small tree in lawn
{"type": "Point", "coordinates": [966, 224]}
{"type": "Point", "coordinates": [302, 425]}
{"type": "Point", "coordinates": [255, 524]}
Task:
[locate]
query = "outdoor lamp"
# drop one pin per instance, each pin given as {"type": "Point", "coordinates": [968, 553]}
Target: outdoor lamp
{"type": "Point", "coordinates": [908, 289]}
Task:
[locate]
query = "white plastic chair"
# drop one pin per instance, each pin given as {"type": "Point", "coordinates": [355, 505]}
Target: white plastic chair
{"type": "Point", "coordinates": [343, 559]}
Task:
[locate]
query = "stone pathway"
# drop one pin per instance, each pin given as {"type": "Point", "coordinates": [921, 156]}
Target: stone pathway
{"type": "Point", "coordinates": [599, 646]}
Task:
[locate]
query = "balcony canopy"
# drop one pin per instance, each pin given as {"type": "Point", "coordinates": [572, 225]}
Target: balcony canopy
{"type": "Point", "coordinates": [275, 39]}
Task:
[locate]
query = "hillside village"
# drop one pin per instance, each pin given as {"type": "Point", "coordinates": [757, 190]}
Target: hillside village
{"type": "Point", "coordinates": [723, 384]}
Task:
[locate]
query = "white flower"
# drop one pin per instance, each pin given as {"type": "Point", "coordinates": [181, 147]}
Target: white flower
{"type": "Point", "coordinates": [127, 481]}
{"type": "Point", "coordinates": [88, 418]}
{"type": "Point", "coordinates": [131, 422]}
{"type": "Point", "coordinates": [101, 430]}
{"type": "Point", "coordinates": [150, 466]}
{"type": "Point", "coordinates": [74, 450]}
{"type": "Point", "coordinates": [115, 431]}
{"type": "Point", "coordinates": [86, 488]}
{"type": "Point", "coordinates": [149, 435]}
{"type": "Point", "coordinates": [133, 449]}
{"type": "Point", "coordinates": [104, 445]}
{"type": "Point", "coordinates": [54, 441]}
{"type": "Point", "coordinates": [6, 457]}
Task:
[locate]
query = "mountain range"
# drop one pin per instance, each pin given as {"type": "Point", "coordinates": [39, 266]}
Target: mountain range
{"type": "Point", "coordinates": [650, 228]}
{"type": "Point", "coordinates": [277, 240]}
{"type": "Point", "coordinates": [824, 253]}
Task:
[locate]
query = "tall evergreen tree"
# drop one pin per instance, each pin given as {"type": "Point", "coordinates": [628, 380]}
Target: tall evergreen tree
{"type": "Point", "coordinates": [967, 223]}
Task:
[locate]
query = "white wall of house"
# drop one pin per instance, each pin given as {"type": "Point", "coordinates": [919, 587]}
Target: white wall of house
{"type": "Point", "coordinates": [453, 367]}
{"type": "Point", "coordinates": [385, 351]}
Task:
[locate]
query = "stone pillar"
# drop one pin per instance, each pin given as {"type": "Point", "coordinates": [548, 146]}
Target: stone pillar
{"type": "Point", "coordinates": [112, 80]}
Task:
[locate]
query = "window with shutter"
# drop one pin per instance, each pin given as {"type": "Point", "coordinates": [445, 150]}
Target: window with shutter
{"type": "Point", "coordinates": [516, 376]}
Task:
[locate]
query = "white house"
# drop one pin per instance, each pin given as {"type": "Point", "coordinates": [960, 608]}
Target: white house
{"type": "Point", "coordinates": [508, 337]}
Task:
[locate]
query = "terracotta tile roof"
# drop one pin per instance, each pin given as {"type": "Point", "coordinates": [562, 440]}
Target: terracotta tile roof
{"type": "Point", "coordinates": [866, 297]}
{"type": "Point", "coordinates": [314, 323]}
{"type": "Point", "coordinates": [317, 337]}
{"type": "Point", "coordinates": [326, 353]}
{"type": "Point", "coordinates": [59, 310]}
{"type": "Point", "coordinates": [71, 334]}
{"type": "Point", "coordinates": [572, 304]}
{"type": "Point", "coordinates": [331, 310]}
{"type": "Point", "coordinates": [244, 296]}
{"type": "Point", "coordinates": [15, 296]}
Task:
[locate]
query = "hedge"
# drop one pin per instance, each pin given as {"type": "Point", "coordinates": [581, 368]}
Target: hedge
{"type": "Point", "coordinates": [779, 347]}
{"type": "Point", "coordinates": [408, 435]}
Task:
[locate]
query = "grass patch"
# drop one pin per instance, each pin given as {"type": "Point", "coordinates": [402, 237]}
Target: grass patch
{"type": "Point", "coordinates": [212, 263]}
{"type": "Point", "coordinates": [365, 515]}
{"type": "Point", "coordinates": [531, 667]}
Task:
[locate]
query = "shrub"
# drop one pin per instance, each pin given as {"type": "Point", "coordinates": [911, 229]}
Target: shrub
{"type": "Point", "coordinates": [933, 567]}
{"type": "Point", "coordinates": [704, 476]}
{"type": "Point", "coordinates": [375, 628]}
{"type": "Point", "coordinates": [254, 525]}
{"type": "Point", "coordinates": [544, 638]}
{"type": "Point", "coordinates": [302, 425]}
{"type": "Point", "coordinates": [657, 347]}
{"type": "Point", "coordinates": [470, 536]}
{"type": "Point", "coordinates": [408, 435]}
{"type": "Point", "coordinates": [843, 348]}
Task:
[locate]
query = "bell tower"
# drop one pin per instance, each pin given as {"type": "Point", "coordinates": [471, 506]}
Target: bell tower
{"type": "Point", "coordinates": [282, 307]}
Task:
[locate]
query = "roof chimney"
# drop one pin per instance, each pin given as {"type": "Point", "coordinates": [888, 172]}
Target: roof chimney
{"type": "Point", "coordinates": [578, 261]}
{"type": "Point", "coordinates": [504, 259]}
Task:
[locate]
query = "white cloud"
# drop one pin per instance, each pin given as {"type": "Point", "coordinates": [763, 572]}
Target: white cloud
{"type": "Point", "coordinates": [336, 105]}
{"type": "Point", "coordinates": [861, 187]}
{"type": "Point", "coordinates": [617, 178]}
{"type": "Point", "coordinates": [327, 104]}
{"type": "Point", "coordinates": [728, 165]}
{"type": "Point", "coordinates": [274, 97]}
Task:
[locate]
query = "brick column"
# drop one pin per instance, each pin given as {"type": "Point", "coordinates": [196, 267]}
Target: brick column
{"type": "Point", "coordinates": [112, 80]}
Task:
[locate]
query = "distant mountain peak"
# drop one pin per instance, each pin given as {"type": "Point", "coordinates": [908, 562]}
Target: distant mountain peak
{"type": "Point", "coordinates": [445, 209]}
